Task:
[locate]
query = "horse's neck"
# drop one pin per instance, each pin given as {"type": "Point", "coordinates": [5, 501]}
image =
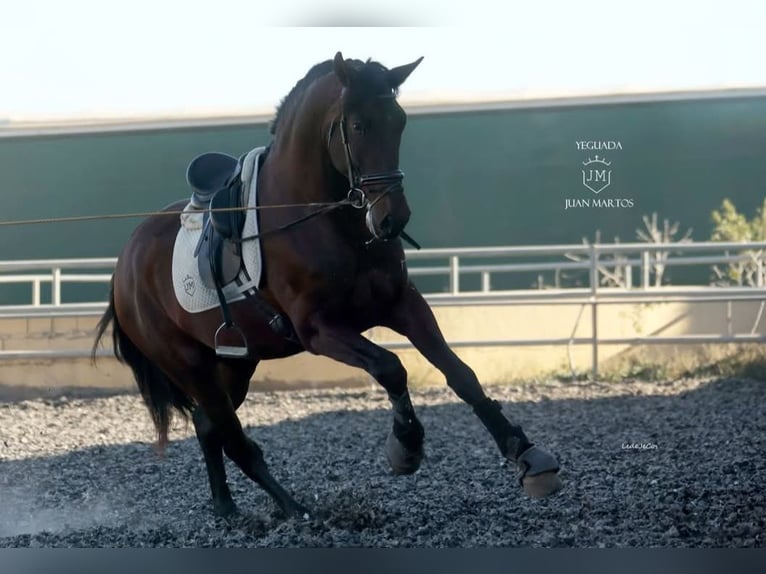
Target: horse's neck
{"type": "Point", "coordinates": [305, 173]}
{"type": "Point", "coordinates": [303, 164]}
{"type": "Point", "coordinates": [301, 146]}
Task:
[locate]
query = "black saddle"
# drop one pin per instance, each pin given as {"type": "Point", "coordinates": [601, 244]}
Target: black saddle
{"type": "Point", "coordinates": [215, 179]}
{"type": "Point", "coordinates": [209, 173]}
{"type": "Point", "coordinates": [216, 182]}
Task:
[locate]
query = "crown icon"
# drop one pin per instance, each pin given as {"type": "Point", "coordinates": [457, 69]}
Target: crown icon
{"type": "Point", "coordinates": [596, 159]}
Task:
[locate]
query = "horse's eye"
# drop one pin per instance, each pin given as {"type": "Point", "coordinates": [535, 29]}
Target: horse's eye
{"type": "Point", "coordinates": [357, 127]}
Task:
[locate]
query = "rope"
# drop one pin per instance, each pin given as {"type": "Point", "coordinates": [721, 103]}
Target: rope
{"type": "Point", "coordinates": [153, 213]}
{"type": "Point", "coordinates": [325, 208]}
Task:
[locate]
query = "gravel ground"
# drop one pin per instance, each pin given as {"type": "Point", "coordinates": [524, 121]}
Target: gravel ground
{"type": "Point", "coordinates": [82, 471]}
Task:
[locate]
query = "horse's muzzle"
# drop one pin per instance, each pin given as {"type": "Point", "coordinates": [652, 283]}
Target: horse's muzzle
{"type": "Point", "coordinates": [388, 218]}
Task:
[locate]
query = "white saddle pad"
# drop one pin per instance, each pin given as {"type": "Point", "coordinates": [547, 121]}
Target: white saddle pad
{"type": "Point", "coordinates": [191, 293]}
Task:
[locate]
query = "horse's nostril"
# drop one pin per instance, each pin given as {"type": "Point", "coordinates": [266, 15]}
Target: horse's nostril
{"type": "Point", "coordinates": [385, 224]}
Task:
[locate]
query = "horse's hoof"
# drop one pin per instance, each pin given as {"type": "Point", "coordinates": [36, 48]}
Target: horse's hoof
{"type": "Point", "coordinates": [402, 460]}
{"type": "Point", "coordinates": [298, 512]}
{"type": "Point", "coordinates": [225, 509]}
{"type": "Point", "coordinates": [542, 485]}
{"type": "Point", "coordinates": [538, 472]}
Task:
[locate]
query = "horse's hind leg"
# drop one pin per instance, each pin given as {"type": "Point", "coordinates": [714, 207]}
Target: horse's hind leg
{"type": "Point", "coordinates": [221, 428]}
{"type": "Point", "coordinates": [538, 470]}
{"type": "Point", "coordinates": [236, 382]}
{"type": "Point", "coordinates": [212, 449]}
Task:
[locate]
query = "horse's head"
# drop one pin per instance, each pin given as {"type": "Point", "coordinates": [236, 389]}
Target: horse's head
{"type": "Point", "coordinates": [363, 141]}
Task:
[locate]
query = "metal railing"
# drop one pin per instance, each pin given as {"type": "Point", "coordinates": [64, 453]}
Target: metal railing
{"type": "Point", "coordinates": [487, 264]}
{"type": "Point", "coordinates": [54, 273]}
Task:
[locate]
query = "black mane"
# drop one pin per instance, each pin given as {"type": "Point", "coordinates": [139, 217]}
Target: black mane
{"type": "Point", "coordinates": [316, 71]}
{"type": "Point", "coordinates": [371, 78]}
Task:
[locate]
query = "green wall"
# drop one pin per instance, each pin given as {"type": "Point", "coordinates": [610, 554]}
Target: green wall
{"type": "Point", "coordinates": [473, 178]}
{"type": "Point", "coordinates": [503, 176]}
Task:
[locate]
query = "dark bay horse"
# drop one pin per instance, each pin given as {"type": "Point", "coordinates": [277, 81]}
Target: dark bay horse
{"type": "Point", "coordinates": [336, 135]}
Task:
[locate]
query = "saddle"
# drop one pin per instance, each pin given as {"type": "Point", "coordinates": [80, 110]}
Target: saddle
{"type": "Point", "coordinates": [217, 188]}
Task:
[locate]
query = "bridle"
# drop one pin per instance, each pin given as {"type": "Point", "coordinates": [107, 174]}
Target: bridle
{"type": "Point", "coordinates": [357, 195]}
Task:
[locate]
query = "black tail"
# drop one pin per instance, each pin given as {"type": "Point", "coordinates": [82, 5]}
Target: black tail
{"type": "Point", "coordinates": [159, 393]}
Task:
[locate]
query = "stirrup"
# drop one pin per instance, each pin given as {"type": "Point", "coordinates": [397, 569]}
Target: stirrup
{"type": "Point", "coordinates": [231, 351]}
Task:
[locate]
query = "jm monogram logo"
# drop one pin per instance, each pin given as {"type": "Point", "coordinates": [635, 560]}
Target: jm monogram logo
{"type": "Point", "coordinates": [595, 174]}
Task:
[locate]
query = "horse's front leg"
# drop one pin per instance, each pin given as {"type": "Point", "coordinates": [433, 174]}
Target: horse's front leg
{"type": "Point", "coordinates": [538, 469]}
{"type": "Point", "coordinates": [404, 446]}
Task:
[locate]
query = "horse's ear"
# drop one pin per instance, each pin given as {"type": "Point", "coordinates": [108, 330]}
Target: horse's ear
{"type": "Point", "coordinates": [396, 76]}
{"type": "Point", "coordinates": [342, 70]}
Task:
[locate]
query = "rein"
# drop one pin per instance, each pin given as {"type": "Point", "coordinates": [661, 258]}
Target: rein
{"type": "Point", "coordinates": [322, 211]}
{"type": "Point", "coordinates": [137, 214]}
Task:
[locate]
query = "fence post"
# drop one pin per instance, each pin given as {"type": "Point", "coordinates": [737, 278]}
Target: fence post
{"type": "Point", "coordinates": [646, 268]}
{"type": "Point", "coordinates": [454, 275]}
{"type": "Point", "coordinates": [36, 293]}
{"type": "Point", "coordinates": [56, 286]}
{"type": "Point", "coordinates": [486, 286]}
{"type": "Point", "coordinates": [594, 308]}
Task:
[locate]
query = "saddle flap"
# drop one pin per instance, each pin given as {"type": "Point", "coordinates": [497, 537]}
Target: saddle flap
{"type": "Point", "coordinates": [216, 256]}
{"type": "Point", "coordinates": [225, 211]}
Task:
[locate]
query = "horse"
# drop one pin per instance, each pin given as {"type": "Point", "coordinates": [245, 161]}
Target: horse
{"type": "Point", "coordinates": [330, 274]}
